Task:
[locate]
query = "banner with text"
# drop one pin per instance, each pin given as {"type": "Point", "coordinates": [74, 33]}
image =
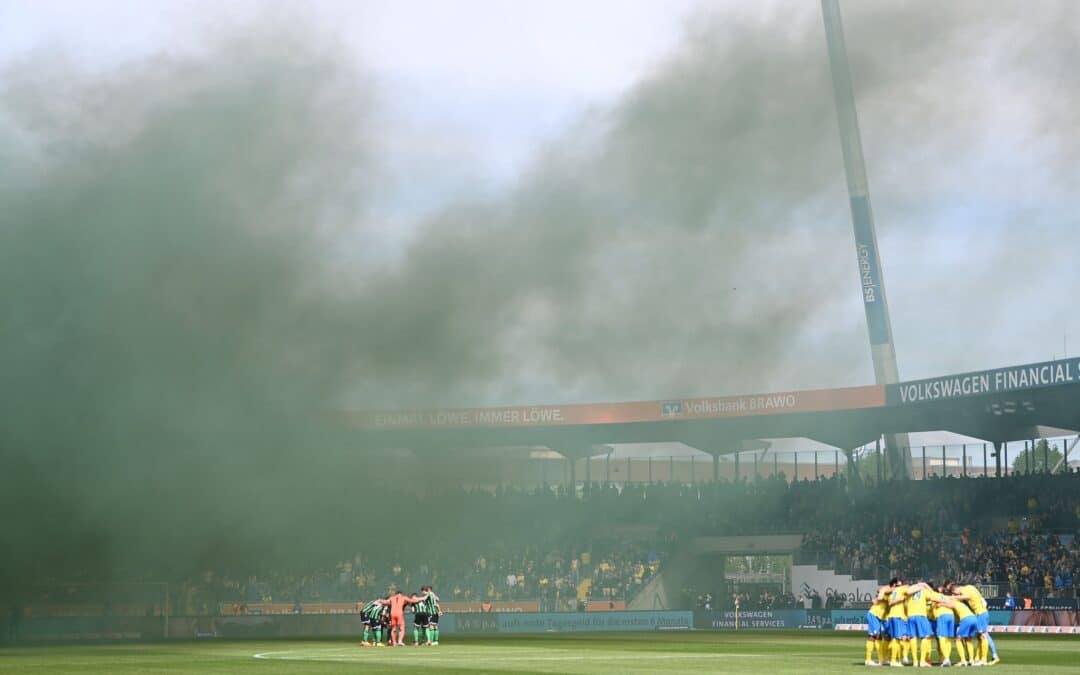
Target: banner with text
{"type": "Point", "coordinates": [997, 381]}
{"type": "Point", "coordinates": [501, 606]}
{"type": "Point", "coordinates": [751, 619]}
{"type": "Point", "coordinates": [1048, 621]}
{"type": "Point", "coordinates": [819, 400]}
{"type": "Point", "coordinates": [85, 628]}
{"type": "Point", "coordinates": [877, 320]}
{"type": "Point", "coordinates": [593, 622]}
{"type": "Point", "coordinates": [848, 616]}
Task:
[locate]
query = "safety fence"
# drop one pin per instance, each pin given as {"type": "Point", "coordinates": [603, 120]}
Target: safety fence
{"type": "Point", "coordinates": [1065, 620]}
{"type": "Point", "coordinates": [41, 630]}
{"type": "Point", "coordinates": [973, 460]}
{"type": "Point", "coordinates": [1047, 620]}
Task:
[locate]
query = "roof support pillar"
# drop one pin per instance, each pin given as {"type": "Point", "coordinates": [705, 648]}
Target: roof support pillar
{"type": "Point", "coordinates": [574, 452]}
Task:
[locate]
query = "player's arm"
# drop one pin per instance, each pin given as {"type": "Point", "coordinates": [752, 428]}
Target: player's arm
{"type": "Point", "coordinates": [898, 597]}
{"type": "Point", "coordinates": [963, 595]}
{"type": "Point", "coordinates": [915, 588]}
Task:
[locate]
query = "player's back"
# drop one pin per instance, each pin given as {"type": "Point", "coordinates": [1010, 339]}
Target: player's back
{"type": "Point", "coordinates": [915, 605]}
{"type": "Point", "coordinates": [896, 603]}
{"type": "Point", "coordinates": [935, 604]}
{"type": "Point", "coordinates": [429, 603]}
{"type": "Point", "coordinates": [974, 598]}
{"type": "Point", "coordinates": [880, 606]}
{"type": "Point", "coordinates": [397, 603]}
{"type": "Point", "coordinates": [961, 610]}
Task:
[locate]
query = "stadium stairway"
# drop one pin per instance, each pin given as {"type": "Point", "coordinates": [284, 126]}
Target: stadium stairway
{"type": "Point", "coordinates": [583, 589]}
{"type": "Point", "coordinates": [807, 578]}
{"type": "Point", "coordinates": [683, 570]}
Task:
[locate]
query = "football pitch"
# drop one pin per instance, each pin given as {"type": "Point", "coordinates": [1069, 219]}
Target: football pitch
{"type": "Point", "coordinates": [696, 652]}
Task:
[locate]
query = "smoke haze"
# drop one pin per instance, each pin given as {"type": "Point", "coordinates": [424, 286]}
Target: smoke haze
{"type": "Point", "coordinates": [170, 326]}
{"type": "Point", "coordinates": [694, 237]}
{"type": "Point", "coordinates": [189, 275]}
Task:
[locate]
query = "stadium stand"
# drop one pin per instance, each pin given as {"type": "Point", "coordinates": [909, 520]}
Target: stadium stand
{"type": "Point", "coordinates": [557, 551]}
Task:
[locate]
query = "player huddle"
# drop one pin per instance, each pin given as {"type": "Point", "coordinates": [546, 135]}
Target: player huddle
{"type": "Point", "coordinates": [386, 617]}
{"type": "Point", "coordinates": [905, 617]}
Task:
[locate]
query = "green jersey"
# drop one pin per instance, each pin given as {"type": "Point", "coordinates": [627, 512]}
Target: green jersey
{"type": "Point", "coordinates": [372, 610]}
{"type": "Point", "coordinates": [429, 604]}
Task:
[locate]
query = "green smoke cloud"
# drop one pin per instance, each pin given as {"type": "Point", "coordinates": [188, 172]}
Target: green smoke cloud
{"type": "Point", "coordinates": [188, 290]}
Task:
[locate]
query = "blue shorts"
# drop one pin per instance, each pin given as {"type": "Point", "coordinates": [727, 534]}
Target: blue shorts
{"type": "Point", "coordinates": [983, 620]}
{"type": "Point", "coordinates": [873, 626]}
{"type": "Point", "coordinates": [945, 626]}
{"type": "Point", "coordinates": [967, 628]}
{"type": "Point", "coordinates": [919, 627]}
{"type": "Point", "coordinates": [897, 628]}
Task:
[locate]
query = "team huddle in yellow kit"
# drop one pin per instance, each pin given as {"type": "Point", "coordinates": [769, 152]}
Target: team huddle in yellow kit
{"type": "Point", "coordinates": [904, 619]}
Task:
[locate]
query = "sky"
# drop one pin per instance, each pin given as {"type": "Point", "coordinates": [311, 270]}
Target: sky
{"type": "Point", "coordinates": [474, 105]}
{"type": "Point", "coordinates": [477, 84]}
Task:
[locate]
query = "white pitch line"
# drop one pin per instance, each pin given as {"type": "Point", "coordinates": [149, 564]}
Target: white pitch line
{"type": "Point", "coordinates": [272, 655]}
{"type": "Point", "coordinates": [326, 655]}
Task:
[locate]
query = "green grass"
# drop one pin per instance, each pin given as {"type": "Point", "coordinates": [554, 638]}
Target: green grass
{"type": "Point", "coordinates": [698, 652]}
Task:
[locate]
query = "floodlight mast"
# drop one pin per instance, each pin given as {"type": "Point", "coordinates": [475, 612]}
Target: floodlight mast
{"type": "Point", "coordinates": [870, 274]}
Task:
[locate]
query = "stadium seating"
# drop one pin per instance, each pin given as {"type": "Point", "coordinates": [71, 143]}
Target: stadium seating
{"type": "Point", "coordinates": [561, 550]}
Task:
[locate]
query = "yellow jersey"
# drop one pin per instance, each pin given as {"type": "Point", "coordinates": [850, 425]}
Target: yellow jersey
{"type": "Point", "coordinates": [881, 604]}
{"type": "Point", "coordinates": [974, 599]}
{"type": "Point", "coordinates": [896, 611]}
{"type": "Point", "coordinates": [915, 605]}
{"type": "Point", "coordinates": [934, 606]}
{"type": "Point", "coordinates": [961, 610]}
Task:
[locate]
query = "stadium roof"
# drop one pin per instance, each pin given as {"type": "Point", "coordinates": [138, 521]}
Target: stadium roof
{"type": "Point", "coordinates": [998, 405]}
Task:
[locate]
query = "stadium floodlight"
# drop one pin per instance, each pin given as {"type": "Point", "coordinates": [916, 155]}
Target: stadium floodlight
{"type": "Point", "coordinates": [870, 274]}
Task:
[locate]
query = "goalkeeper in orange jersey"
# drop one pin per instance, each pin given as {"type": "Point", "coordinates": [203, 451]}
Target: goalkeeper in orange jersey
{"type": "Point", "coordinates": [397, 603]}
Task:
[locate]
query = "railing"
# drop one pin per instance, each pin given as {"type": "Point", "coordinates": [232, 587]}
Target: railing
{"type": "Point", "coordinates": [756, 577]}
{"type": "Point", "coordinates": [928, 461]}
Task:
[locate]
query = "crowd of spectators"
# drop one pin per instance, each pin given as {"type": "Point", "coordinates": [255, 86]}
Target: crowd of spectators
{"type": "Point", "coordinates": [605, 541]}
{"type": "Point", "coordinates": [772, 599]}
{"type": "Point", "coordinates": [541, 545]}
{"type": "Point", "coordinates": [1017, 533]}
